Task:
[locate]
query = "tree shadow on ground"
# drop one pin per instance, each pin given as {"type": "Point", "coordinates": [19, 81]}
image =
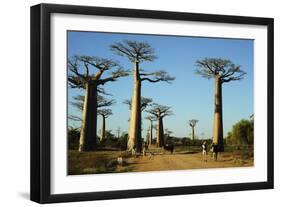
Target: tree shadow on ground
{"type": "Point", "coordinates": [186, 153]}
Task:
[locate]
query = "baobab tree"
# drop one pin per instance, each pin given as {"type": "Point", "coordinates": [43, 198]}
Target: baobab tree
{"type": "Point", "coordinates": [151, 119]}
{"type": "Point", "coordinates": [118, 132]}
{"type": "Point", "coordinates": [105, 113]}
{"type": "Point", "coordinates": [90, 80]}
{"type": "Point", "coordinates": [222, 71]}
{"type": "Point", "coordinates": [159, 112]}
{"type": "Point", "coordinates": [138, 52]}
{"type": "Point", "coordinates": [192, 123]}
{"type": "Point", "coordinates": [79, 103]}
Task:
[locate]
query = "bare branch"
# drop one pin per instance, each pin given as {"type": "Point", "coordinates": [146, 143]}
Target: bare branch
{"type": "Point", "coordinates": [76, 82]}
{"type": "Point", "coordinates": [225, 69]}
{"type": "Point", "coordinates": [151, 118]}
{"type": "Point", "coordinates": [134, 50]}
{"type": "Point", "coordinates": [73, 67]}
{"type": "Point", "coordinates": [230, 74]}
{"type": "Point", "coordinates": [145, 102]}
{"type": "Point", "coordinates": [146, 74]}
{"type": "Point", "coordinates": [160, 75]}
{"type": "Point", "coordinates": [74, 118]}
{"type": "Point", "coordinates": [102, 64]}
{"type": "Point", "coordinates": [102, 91]}
{"type": "Point", "coordinates": [122, 50]}
{"type": "Point", "coordinates": [75, 78]}
{"type": "Point", "coordinates": [114, 75]}
{"type": "Point", "coordinates": [102, 102]}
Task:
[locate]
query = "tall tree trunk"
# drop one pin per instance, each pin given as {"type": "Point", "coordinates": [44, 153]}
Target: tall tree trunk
{"type": "Point", "coordinates": [88, 133]}
{"type": "Point", "coordinates": [102, 128]}
{"type": "Point", "coordinates": [151, 133]}
{"type": "Point", "coordinates": [218, 124]}
{"type": "Point", "coordinates": [135, 139]}
{"type": "Point", "coordinates": [160, 133]}
{"type": "Point", "coordinates": [193, 134]}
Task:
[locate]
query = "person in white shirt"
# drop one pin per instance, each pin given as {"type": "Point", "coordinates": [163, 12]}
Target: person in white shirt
{"type": "Point", "coordinates": [204, 151]}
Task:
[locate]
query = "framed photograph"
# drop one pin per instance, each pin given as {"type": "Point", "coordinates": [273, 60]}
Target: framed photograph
{"type": "Point", "coordinates": [132, 103]}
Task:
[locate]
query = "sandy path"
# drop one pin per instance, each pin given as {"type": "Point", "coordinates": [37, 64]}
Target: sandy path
{"type": "Point", "coordinates": [180, 162]}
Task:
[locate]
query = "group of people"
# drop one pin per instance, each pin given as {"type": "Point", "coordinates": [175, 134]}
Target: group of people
{"type": "Point", "coordinates": [214, 150]}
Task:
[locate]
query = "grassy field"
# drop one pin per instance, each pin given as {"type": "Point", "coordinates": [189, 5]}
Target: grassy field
{"type": "Point", "coordinates": [95, 162]}
{"type": "Point", "coordinates": [105, 161]}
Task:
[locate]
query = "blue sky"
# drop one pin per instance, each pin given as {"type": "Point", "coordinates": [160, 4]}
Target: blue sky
{"type": "Point", "coordinates": [190, 96]}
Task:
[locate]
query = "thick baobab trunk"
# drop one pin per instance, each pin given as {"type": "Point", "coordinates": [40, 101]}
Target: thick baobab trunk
{"type": "Point", "coordinates": [218, 124]}
{"type": "Point", "coordinates": [88, 134]}
{"type": "Point", "coordinates": [102, 128]}
{"type": "Point", "coordinates": [160, 133]}
{"type": "Point", "coordinates": [135, 139]}
{"type": "Point", "coordinates": [151, 133]}
{"type": "Point", "coordinates": [193, 135]}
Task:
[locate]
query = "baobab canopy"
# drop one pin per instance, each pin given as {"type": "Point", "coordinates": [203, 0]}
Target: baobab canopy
{"type": "Point", "coordinates": [225, 69]}
{"type": "Point", "coordinates": [134, 50]}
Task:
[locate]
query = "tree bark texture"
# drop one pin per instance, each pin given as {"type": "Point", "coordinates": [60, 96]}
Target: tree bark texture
{"type": "Point", "coordinates": [88, 136]}
{"type": "Point", "coordinates": [151, 133]}
{"type": "Point", "coordinates": [193, 135]}
{"type": "Point", "coordinates": [102, 128]}
{"type": "Point", "coordinates": [135, 138]}
{"type": "Point", "coordinates": [160, 133]}
{"type": "Point", "coordinates": [218, 124]}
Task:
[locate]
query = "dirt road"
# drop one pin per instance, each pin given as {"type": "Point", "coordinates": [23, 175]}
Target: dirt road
{"type": "Point", "coordinates": [180, 161]}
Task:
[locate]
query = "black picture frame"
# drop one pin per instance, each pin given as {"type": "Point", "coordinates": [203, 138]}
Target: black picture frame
{"type": "Point", "coordinates": [41, 96]}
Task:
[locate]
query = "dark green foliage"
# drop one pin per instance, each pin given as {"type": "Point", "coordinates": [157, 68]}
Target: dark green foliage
{"type": "Point", "coordinates": [186, 141]}
{"type": "Point", "coordinates": [111, 141]}
{"type": "Point", "coordinates": [169, 140]}
{"type": "Point", "coordinates": [242, 133]}
{"type": "Point", "coordinates": [122, 141]}
{"type": "Point", "coordinates": [73, 135]}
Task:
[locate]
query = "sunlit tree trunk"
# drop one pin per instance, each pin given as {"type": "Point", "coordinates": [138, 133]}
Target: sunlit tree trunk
{"type": "Point", "coordinates": [88, 137]}
{"type": "Point", "coordinates": [193, 135]}
{"type": "Point", "coordinates": [102, 128]}
{"type": "Point", "coordinates": [218, 126]}
{"type": "Point", "coordinates": [135, 139]}
{"type": "Point", "coordinates": [160, 133]}
{"type": "Point", "coordinates": [151, 133]}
